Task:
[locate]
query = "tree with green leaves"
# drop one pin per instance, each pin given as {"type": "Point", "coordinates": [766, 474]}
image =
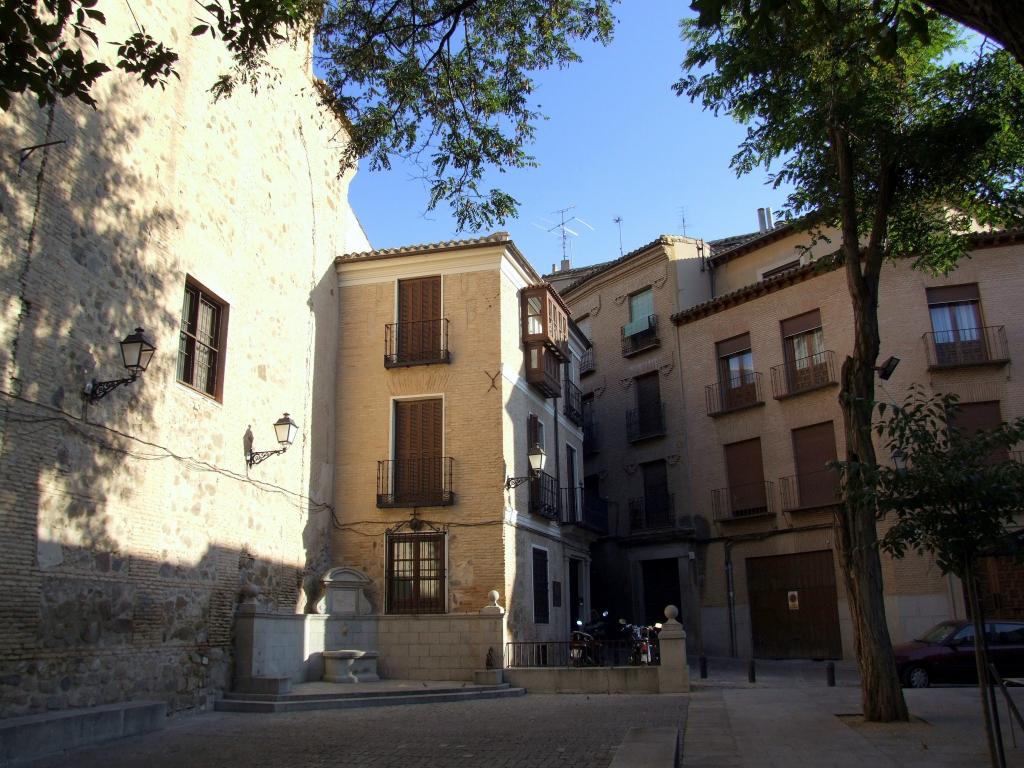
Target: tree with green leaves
{"type": "Point", "coordinates": [1000, 20]}
{"type": "Point", "coordinates": [903, 154]}
{"type": "Point", "coordinates": [447, 82]}
{"type": "Point", "coordinates": [953, 495]}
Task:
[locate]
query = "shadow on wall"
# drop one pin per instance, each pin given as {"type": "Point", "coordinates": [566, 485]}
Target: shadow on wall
{"type": "Point", "coordinates": [120, 635]}
{"type": "Point", "coordinates": [90, 615]}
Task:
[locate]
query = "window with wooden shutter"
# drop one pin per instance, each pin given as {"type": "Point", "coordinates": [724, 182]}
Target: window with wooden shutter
{"type": "Point", "coordinates": [418, 466]}
{"type": "Point", "coordinates": [415, 573]}
{"type": "Point", "coordinates": [747, 494]}
{"type": "Point", "coordinates": [955, 313]}
{"type": "Point", "coordinates": [420, 335]}
{"type": "Point", "coordinates": [967, 419]}
{"type": "Point", "coordinates": [737, 379]}
{"type": "Point", "coordinates": [541, 609]}
{"type": "Point", "coordinates": [813, 448]}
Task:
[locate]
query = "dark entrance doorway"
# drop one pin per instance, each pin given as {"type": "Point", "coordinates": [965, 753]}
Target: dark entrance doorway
{"type": "Point", "coordinates": [793, 613]}
{"type": "Point", "coordinates": [575, 593]}
{"type": "Point", "coordinates": [661, 588]}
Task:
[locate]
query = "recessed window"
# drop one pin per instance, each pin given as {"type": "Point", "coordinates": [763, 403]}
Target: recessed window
{"type": "Point", "coordinates": [415, 573]}
{"type": "Point", "coordinates": [541, 608]}
{"type": "Point", "coordinates": [204, 319]}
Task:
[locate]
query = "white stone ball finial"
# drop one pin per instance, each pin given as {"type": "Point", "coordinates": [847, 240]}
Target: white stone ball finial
{"type": "Point", "coordinates": [671, 612]}
{"type": "Point", "coordinates": [493, 596]}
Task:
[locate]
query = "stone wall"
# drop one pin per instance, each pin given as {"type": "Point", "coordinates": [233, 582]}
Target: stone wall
{"type": "Point", "coordinates": [427, 647]}
{"type": "Point", "coordinates": [128, 525]}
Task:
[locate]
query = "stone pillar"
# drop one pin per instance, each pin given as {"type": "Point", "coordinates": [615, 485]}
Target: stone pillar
{"type": "Point", "coordinates": [493, 617]}
{"type": "Point", "coordinates": [673, 674]}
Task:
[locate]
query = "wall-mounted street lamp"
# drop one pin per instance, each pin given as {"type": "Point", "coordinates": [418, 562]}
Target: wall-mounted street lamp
{"type": "Point", "coordinates": [284, 428]}
{"type": "Point", "coordinates": [136, 352]}
{"type": "Point", "coordinates": [886, 369]}
{"type": "Point", "coordinates": [537, 459]}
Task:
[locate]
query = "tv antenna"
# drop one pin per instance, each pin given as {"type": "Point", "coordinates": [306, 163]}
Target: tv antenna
{"type": "Point", "coordinates": [564, 229]}
{"type": "Point", "coordinates": [618, 220]}
{"type": "Point", "coordinates": [682, 219]}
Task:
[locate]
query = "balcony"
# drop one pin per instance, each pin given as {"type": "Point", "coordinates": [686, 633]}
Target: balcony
{"type": "Point", "coordinates": [544, 495]}
{"type": "Point", "coordinates": [810, 490]}
{"type": "Point", "coordinates": [573, 405]}
{"type": "Point", "coordinates": [743, 501]}
{"type": "Point", "coordinates": [734, 395]}
{"type": "Point", "coordinates": [583, 511]}
{"type": "Point", "coordinates": [425, 482]}
{"type": "Point", "coordinates": [652, 513]}
{"type": "Point", "coordinates": [639, 335]}
{"type": "Point", "coordinates": [421, 342]}
{"type": "Point", "coordinates": [646, 422]}
{"type": "Point", "coordinates": [587, 364]}
{"type": "Point", "coordinates": [591, 436]}
{"type": "Point", "coordinates": [543, 370]}
{"type": "Point", "coordinates": [966, 346]}
{"type": "Point", "coordinates": [795, 377]}
{"type": "Point", "coordinates": [545, 320]}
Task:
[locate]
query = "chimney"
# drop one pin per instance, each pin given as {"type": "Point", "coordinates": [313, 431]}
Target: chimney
{"type": "Point", "coordinates": [761, 226]}
{"type": "Point", "coordinates": [565, 265]}
{"type": "Point", "coordinates": [553, 270]}
{"type": "Point", "coordinates": [768, 219]}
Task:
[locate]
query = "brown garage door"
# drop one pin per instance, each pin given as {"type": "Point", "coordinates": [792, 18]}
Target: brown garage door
{"type": "Point", "coordinates": [793, 613]}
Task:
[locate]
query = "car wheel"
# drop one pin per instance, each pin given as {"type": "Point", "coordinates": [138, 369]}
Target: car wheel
{"type": "Point", "coordinates": [917, 677]}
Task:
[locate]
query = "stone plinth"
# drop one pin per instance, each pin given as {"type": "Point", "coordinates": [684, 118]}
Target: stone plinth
{"type": "Point", "coordinates": [673, 674]}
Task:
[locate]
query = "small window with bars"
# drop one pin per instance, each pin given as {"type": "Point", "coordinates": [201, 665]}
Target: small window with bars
{"type": "Point", "coordinates": [200, 346]}
{"type": "Point", "coordinates": [415, 573]}
{"type": "Point", "coordinates": [541, 608]}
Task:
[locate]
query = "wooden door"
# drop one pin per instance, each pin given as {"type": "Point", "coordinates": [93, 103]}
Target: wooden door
{"type": "Point", "coordinates": [419, 319]}
{"type": "Point", "coordinates": [417, 472]}
{"type": "Point", "coordinates": [813, 448]}
{"type": "Point", "coordinates": [661, 588]}
{"type": "Point", "coordinates": [793, 611]}
{"type": "Point", "coordinates": [746, 478]}
{"type": "Point", "coordinates": [657, 510]}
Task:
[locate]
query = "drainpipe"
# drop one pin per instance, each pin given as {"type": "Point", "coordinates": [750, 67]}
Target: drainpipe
{"type": "Point", "coordinates": [558, 461]}
{"type": "Point", "coordinates": [731, 591]}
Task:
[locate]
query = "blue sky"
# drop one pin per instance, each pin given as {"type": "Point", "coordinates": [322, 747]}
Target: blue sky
{"type": "Point", "coordinates": [617, 142]}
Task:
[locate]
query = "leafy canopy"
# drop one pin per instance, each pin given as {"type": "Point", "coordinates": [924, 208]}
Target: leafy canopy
{"type": "Point", "coordinates": [932, 144]}
{"type": "Point", "coordinates": [447, 82]}
{"type": "Point", "coordinates": [953, 494]}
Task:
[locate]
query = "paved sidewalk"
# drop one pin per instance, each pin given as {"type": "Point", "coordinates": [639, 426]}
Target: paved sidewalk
{"type": "Point", "coordinates": [790, 718]}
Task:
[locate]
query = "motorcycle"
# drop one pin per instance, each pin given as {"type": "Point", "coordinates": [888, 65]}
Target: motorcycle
{"type": "Point", "coordinates": [643, 641]}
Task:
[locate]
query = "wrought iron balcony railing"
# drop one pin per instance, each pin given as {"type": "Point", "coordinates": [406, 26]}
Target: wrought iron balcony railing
{"type": "Point", "coordinates": [646, 422]}
{"type": "Point", "coordinates": [573, 405]}
{"type": "Point", "coordinates": [640, 335]}
{"type": "Point", "coordinates": [423, 482]}
{"type": "Point", "coordinates": [743, 500]}
{"type": "Point", "coordinates": [585, 511]}
{"type": "Point", "coordinates": [420, 342]}
{"type": "Point", "coordinates": [966, 346]}
{"type": "Point", "coordinates": [808, 490]}
{"type": "Point", "coordinates": [544, 495]}
{"type": "Point", "coordinates": [587, 364]}
{"type": "Point", "coordinates": [652, 513]}
{"type": "Point", "coordinates": [734, 394]}
{"type": "Point", "coordinates": [803, 375]}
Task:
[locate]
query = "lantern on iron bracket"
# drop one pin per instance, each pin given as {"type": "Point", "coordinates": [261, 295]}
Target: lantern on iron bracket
{"type": "Point", "coordinates": [136, 352]}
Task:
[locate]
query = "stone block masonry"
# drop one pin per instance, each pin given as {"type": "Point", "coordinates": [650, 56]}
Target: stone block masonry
{"type": "Point", "coordinates": [130, 524]}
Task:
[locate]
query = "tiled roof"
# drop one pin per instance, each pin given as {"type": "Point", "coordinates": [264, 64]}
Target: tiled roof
{"type": "Point", "coordinates": [726, 243]}
{"type": "Point", "coordinates": [597, 269]}
{"type": "Point", "coordinates": [406, 250]}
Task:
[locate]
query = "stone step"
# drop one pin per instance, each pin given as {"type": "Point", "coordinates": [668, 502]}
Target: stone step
{"type": "Point", "coordinates": [33, 736]}
{"type": "Point", "coordinates": [348, 701]}
{"type": "Point", "coordinates": [342, 691]}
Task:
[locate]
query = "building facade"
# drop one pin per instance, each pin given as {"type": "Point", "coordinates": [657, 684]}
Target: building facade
{"type": "Point", "coordinates": [130, 523]}
{"type": "Point", "coordinates": [757, 394]}
{"type": "Point", "coordinates": [456, 365]}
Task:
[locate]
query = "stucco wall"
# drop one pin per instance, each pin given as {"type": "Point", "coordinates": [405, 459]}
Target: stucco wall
{"type": "Point", "coordinates": [129, 524]}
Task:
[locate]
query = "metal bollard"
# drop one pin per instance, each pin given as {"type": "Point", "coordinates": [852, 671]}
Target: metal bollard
{"type": "Point", "coordinates": [703, 662]}
{"type": "Point", "coordinates": [751, 673]}
{"type": "Point", "coordinates": [830, 674]}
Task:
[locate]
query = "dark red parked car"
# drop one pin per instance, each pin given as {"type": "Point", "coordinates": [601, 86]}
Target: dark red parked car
{"type": "Point", "coordinates": [945, 653]}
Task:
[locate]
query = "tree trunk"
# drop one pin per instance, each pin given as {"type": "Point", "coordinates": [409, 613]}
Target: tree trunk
{"type": "Point", "coordinates": [981, 663]}
{"type": "Point", "coordinates": [1002, 20]}
{"type": "Point", "coordinates": [881, 693]}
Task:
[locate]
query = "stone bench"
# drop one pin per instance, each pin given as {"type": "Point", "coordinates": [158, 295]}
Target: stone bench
{"type": "Point", "coordinates": [350, 666]}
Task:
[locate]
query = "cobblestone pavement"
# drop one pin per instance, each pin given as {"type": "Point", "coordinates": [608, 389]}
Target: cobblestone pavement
{"type": "Point", "coordinates": [533, 731]}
